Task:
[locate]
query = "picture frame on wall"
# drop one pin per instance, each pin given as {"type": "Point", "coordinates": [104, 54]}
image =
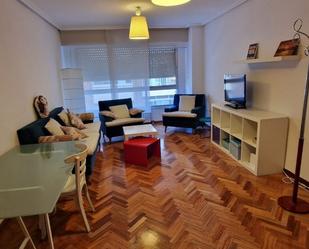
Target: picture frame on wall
{"type": "Point", "coordinates": [288, 48]}
{"type": "Point", "coordinates": [253, 51]}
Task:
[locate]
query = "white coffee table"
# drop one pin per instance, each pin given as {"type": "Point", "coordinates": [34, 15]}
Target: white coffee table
{"type": "Point", "coordinates": [139, 130]}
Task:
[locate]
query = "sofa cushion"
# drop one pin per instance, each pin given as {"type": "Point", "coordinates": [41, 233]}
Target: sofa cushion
{"type": "Point", "coordinates": [92, 128]}
{"type": "Point", "coordinates": [54, 127]}
{"type": "Point", "coordinates": [186, 103]}
{"type": "Point", "coordinates": [120, 111]}
{"type": "Point", "coordinates": [179, 114]}
{"type": "Point", "coordinates": [91, 141]}
{"type": "Point", "coordinates": [124, 121]}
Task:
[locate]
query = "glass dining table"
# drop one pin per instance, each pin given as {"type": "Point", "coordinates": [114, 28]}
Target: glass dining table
{"type": "Point", "coordinates": [32, 178]}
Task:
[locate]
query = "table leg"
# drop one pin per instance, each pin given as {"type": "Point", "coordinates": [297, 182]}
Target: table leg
{"type": "Point", "coordinates": [26, 233]}
{"type": "Point", "coordinates": [49, 232]}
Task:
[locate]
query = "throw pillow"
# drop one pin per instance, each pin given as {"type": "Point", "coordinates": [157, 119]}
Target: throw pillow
{"type": "Point", "coordinates": [74, 132]}
{"type": "Point", "coordinates": [120, 111]}
{"type": "Point", "coordinates": [65, 118]}
{"type": "Point", "coordinates": [186, 103]}
{"type": "Point", "coordinates": [76, 121]}
{"type": "Point", "coordinates": [54, 127]}
{"type": "Point", "coordinates": [87, 116]}
{"type": "Point", "coordinates": [134, 111]}
{"type": "Point", "coordinates": [108, 114]}
{"type": "Point", "coordinates": [54, 139]}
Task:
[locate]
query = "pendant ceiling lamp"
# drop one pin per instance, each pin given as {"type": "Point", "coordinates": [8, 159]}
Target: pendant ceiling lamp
{"type": "Point", "coordinates": [168, 3]}
{"type": "Point", "coordinates": [139, 27]}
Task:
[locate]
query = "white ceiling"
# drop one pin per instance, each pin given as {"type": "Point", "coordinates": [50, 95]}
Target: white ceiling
{"type": "Point", "coordinates": [109, 14]}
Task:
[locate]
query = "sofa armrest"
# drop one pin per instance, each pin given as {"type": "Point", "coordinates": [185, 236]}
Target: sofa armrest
{"type": "Point", "coordinates": [135, 113]}
{"type": "Point", "coordinates": [87, 117]}
{"type": "Point", "coordinates": [171, 108]}
{"type": "Point", "coordinates": [138, 115]}
{"type": "Point", "coordinates": [106, 116]}
{"type": "Point", "coordinates": [199, 111]}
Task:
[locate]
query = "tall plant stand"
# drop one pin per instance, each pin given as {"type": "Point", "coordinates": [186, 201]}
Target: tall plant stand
{"type": "Point", "coordinates": [293, 203]}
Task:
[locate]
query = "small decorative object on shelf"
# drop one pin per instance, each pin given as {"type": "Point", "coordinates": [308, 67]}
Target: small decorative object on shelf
{"type": "Point", "coordinates": [288, 48]}
{"type": "Point", "coordinates": [253, 51]}
{"type": "Point", "coordinates": [293, 203]}
{"type": "Point", "coordinates": [40, 105]}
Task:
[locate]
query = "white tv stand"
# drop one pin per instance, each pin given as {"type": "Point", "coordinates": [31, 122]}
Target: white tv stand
{"type": "Point", "coordinates": [262, 135]}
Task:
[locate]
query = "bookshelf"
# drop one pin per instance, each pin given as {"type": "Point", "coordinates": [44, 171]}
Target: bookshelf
{"type": "Point", "coordinates": [262, 137]}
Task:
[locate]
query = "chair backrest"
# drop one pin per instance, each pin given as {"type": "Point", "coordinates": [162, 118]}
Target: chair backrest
{"type": "Point", "coordinates": [79, 161]}
{"type": "Point", "coordinates": [104, 105]}
{"type": "Point", "coordinates": [200, 99]}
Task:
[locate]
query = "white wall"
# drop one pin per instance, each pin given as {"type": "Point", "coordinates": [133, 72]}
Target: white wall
{"type": "Point", "coordinates": [275, 87]}
{"type": "Point", "coordinates": [29, 65]}
{"type": "Point", "coordinates": [196, 60]}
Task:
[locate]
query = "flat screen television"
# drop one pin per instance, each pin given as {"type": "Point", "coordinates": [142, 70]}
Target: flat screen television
{"type": "Point", "coordinates": [235, 90]}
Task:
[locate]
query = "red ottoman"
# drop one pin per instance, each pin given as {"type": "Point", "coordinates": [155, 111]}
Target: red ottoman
{"type": "Point", "coordinates": [139, 150]}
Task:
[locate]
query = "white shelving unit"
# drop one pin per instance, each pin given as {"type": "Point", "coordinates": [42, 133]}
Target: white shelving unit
{"type": "Point", "coordinates": [262, 136]}
{"type": "Point", "coordinates": [73, 90]}
{"type": "Point", "coordinates": [271, 59]}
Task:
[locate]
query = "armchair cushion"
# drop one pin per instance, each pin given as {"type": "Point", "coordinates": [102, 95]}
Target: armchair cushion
{"type": "Point", "coordinates": [186, 103]}
{"type": "Point", "coordinates": [180, 114]}
{"type": "Point", "coordinates": [120, 111]}
{"type": "Point", "coordinates": [123, 121]}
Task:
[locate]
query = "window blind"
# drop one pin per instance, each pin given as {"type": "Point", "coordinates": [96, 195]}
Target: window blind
{"type": "Point", "coordinates": [148, 75]}
{"type": "Point", "coordinates": [162, 62]}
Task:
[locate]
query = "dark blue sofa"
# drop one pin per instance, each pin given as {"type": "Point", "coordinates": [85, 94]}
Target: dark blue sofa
{"type": "Point", "coordinates": [30, 134]}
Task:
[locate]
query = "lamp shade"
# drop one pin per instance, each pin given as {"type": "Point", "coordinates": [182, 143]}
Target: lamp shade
{"type": "Point", "coordinates": [168, 3]}
{"type": "Point", "coordinates": [139, 28]}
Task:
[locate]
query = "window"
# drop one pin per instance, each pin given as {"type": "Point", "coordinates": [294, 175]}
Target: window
{"type": "Point", "coordinates": [147, 75]}
{"type": "Point", "coordinates": [162, 90]}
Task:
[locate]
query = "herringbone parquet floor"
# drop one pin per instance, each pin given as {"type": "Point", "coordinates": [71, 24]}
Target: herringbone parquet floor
{"type": "Point", "coordinates": [196, 198]}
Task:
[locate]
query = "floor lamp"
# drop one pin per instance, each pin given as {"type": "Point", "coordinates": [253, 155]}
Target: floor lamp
{"type": "Point", "coordinates": [293, 203]}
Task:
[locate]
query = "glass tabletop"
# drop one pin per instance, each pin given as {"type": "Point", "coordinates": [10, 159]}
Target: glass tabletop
{"type": "Point", "coordinates": [32, 178]}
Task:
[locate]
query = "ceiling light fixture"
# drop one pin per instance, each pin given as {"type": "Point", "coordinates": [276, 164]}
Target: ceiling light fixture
{"type": "Point", "coordinates": [139, 27]}
{"type": "Point", "coordinates": [168, 3]}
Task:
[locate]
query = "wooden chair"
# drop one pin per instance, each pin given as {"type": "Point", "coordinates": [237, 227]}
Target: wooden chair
{"type": "Point", "coordinates": [76, 183]}
{"type": "Point", "coordinates": [26, 233]}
